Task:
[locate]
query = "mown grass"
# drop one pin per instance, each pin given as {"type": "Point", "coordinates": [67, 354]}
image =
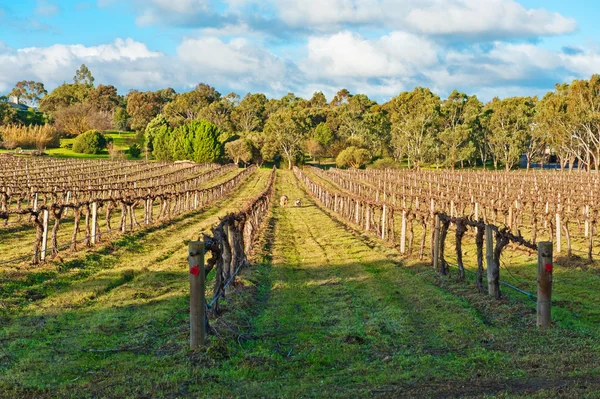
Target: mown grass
{"type": "Point", "coordinates": [327, 312]}
{"type": "Point", "coordinates": [121, 140]}
{"type": "Point", "coordinates": [105, 317]}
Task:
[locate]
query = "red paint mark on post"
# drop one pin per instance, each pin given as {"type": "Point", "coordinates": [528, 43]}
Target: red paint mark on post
{"type": "Point", "coordinates": [549, 267]}
{"type": "Point", "coordinates": [195, 270]}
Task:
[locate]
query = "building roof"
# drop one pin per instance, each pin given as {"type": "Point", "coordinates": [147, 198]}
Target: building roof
{"type": "Point", "coordinates": [19, 107]}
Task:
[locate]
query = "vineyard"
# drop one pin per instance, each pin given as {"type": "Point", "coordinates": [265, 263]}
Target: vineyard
{"type": "Point", "coordinates": [367, 283]}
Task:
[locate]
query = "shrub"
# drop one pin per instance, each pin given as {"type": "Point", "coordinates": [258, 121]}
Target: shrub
{"type": "Point", "coordinates": [239, 150]}
{"type": "Point", "coordinates": [135, 151]}
{"type": "Point", "coordinates": [30, 137]}
{"type": "Point", "coordinates": [197, 141]}
{"type": "Point", "coordinates": [385, 163]}
{"type": "Point", "coordinates": [90, 142]}
{"type": "Point", "coordinates": [353, 157]}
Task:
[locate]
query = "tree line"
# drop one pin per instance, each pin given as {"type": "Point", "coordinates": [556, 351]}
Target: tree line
{"type": "Point", "coordinates": [417, 127]}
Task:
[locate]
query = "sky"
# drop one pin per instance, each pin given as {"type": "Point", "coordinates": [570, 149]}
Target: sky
{"type": "Point", "coordinates": [380, 48]}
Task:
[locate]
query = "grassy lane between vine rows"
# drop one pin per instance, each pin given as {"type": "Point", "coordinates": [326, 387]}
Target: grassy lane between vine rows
{"type": "Point", "coordinates": [336, 314]}
{"type": "Point", "coordinates": [103, 321]}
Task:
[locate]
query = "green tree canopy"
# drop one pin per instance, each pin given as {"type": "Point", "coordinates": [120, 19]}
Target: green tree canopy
{"type": "Point", "coordinates": [28, 92]}
{"type": "Point", "coordinates": [285, 133]}
{"type": "Point", "coordinates": [414, 117]}
{"type": "Point", "coordinates": [142, 107]}
{"type": "Point", "coordinates": [353, 157]}
{"type": "Point", "coordinates": [83, 76]}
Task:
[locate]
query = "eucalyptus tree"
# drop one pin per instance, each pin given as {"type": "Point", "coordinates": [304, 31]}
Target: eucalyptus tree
{"type": "Point", "coordinates": [414, 118]}
{"type": "Point", "coordinates": [458, 118]}
{"type": "Point", "coordinates": [285, 133]}
{"type": "Point", "coordinates": [28, 92]}
{"type": "Point", "coordinates": [509, 123]}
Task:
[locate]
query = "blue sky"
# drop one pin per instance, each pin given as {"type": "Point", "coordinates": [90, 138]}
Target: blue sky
{"type": "Point", "coordinates": [377, 47]}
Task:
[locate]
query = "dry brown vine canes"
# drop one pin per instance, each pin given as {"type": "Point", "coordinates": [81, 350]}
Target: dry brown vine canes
{"type": "Point", "coordinates": [479, 243]}
{"type": "Point", "coordinates": [461, 229]}
{"type": "Point", "coordinates": [36, 218]}
{"type": "Point", "coordinates": [57, 214]}
{"type": "Point", "coordinates": [231, 242]}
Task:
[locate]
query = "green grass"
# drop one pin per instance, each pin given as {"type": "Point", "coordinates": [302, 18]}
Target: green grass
{"type": "Point", "coordinates": [326, 312]}
{"type": "Point", "coordinates": [119, 296]}
{"type": "Point", "coordinates": [121, 140]}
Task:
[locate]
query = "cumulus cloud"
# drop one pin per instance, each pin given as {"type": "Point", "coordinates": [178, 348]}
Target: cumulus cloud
{"type": "Point", "coordinates": [238, 64]}
{"type": "Point", "coordinates": [127, 64]}
{"type": "Point", "coordinates": [56, 64]}
{"type": "Point", "coordinates": [495, 18]}
{"type": "Point", "coordinates": [347, 54]}
{"type": "Point", "coordinates": [380, 67]}
{"type": "Point", "coordinates": [492, 19]}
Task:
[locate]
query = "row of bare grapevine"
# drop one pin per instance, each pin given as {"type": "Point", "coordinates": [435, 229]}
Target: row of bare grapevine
{"type": "Point", "coordinates": [378, 218]}
{"type": "Point", "coordinates": [172, 200]}
{"type": "Point", "coordinates": [561, 206]}
{"type": "Point", "coordinates": [232, 240]}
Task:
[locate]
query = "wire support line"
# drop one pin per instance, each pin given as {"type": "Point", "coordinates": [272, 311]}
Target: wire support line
{"type": "Point", "coordinates": [528, 294]}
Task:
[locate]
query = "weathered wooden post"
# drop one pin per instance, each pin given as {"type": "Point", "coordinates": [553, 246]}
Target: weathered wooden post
{"type": "Point", "coordinates": [492, 265]}
{"type": "Point", "coordinates": [587, 220]}
{"type": "Point", "coordinates": [436, 243]}
{"type": "Point", "coordinates": [94, 222]}
{"type": "Point", "coordinates": [544, 293]}
{"type": "Point", "coordinates": [197, 292]}
{"type": "Point", "coordinates": [383, 224]}
{"type": "Point", "coordinates": [45, 235]}
{"type": "Point", "coordinates": [403, 233]}
{"type": "Point", "coordinates": [558, 232]}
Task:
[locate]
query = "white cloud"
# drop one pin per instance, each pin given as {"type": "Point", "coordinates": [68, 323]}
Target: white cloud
{"type": "Point", "coordinates": [503, 18]}
{"type": "Point", "coordinates": [128, 64]}
{"type": "Point", "coordinates": [347, 54]}
{"type": "Point", "coordinates": [380, 67]}
{"type": "Point", "coordinates": [467, 18]}
{"type": "Point", "coordinates": [237, 64]}
{"type": "Point", "coordinates": [55, 64]}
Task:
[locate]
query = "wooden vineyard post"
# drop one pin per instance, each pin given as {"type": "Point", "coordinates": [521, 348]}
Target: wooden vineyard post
{"type": "Point", "coordinates": [544, 292]}
{"type": "Point", "coordinates": [403, 233]}
{"type": "Point", "coordinates": [383, 225]}
{"type": "Point", "coordinates": [94, 222]}
{"type": "Point", "coordinates": [197, 292]}
{"type": "Point", "coordinates": [558, 231]}
{"type": "Point", "coordinates": [493, 286]}
{"type": "Point", "coordinates": [436, 243]}
{"type": "Point", "coordinates": [45, 235]}
{"type": "Point", "coordinates": [69, 199]}
{"type": "Point", "coordinates": [587, 221]}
